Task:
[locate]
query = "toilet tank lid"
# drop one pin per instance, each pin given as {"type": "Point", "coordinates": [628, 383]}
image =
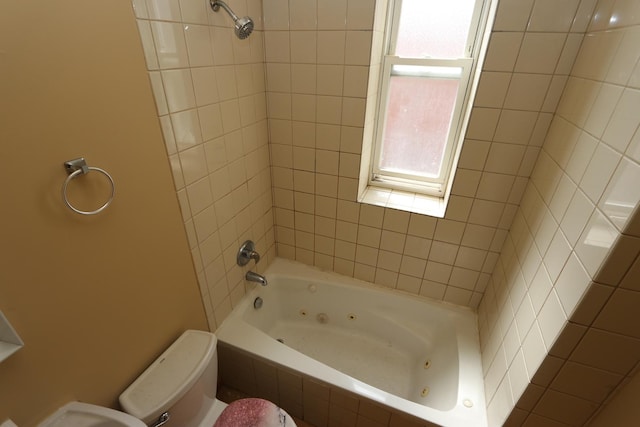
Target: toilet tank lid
{"type": "Point", "coordinates": [170, 376]}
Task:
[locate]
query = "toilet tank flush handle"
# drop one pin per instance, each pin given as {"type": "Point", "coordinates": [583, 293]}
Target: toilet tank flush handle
{"type": "Point", "coordinates": [162, 419]}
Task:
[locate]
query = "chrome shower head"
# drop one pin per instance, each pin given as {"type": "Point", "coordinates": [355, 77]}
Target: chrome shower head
{"type": "Point", "coordinates": [243, 26]}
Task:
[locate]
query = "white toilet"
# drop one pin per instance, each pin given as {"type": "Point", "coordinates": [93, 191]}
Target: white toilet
{"type": "Point", "coordinates": [178, 390]}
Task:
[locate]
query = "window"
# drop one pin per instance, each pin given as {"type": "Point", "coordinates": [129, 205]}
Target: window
{"type": "Point", "coordinates": [430, 53]}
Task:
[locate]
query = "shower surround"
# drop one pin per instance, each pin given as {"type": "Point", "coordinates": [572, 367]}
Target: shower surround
{"type": "Point", "coordinates": [230, 135]}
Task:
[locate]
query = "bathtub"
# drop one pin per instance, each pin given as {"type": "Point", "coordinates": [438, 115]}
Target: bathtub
{"type": "Point", "coordinates": [414, 355]}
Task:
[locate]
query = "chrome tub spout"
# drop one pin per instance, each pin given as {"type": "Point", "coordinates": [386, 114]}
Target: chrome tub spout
{"type": "Point", "coordinates": [255, 277]}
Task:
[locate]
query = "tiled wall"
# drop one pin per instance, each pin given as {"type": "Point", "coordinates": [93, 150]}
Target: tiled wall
{"type": "Point", "coordinates": [213, 103]}
{"type": "Point", "coordinates": [556, 329]}
{"type": "Point", "coordinates": [317, 403]}
{"type": "Point", "coordinates": [317, 57]}
{"type": "Point", "coordinates": [210, 93]}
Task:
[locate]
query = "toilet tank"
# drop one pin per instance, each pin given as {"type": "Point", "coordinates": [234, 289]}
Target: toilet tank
{"type": "Point", "coordinates": [181, 381]}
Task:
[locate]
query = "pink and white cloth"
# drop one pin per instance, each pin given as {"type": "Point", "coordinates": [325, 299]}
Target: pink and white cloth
{"type": "Point", "coordinates": [254, 413]}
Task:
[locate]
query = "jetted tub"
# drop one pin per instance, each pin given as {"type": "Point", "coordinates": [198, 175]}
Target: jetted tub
{"type": "Point", "coordinates": [415, 355]}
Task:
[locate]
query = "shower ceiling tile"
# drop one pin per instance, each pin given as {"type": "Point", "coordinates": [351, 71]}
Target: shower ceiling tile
{"type": "Point", "coordinates": [585, 382]}
{"type": "Point", "coordinates": [503, 51]}
{"type": "Point", "coordinates": [608, 351]}
{"type": "Point", "coordinates": [527, 91]}
{"type": "Point", "coordinates": [492, 89]}
{"type": "Point", "coordinates": [565, 408]}
{"type": "Point", "coordinates": [515, 127]}
{"type": "Point", "coordinates": [591, 303]}
{"type": "Point", "coordinates": [540, 52]}
{"type": "Point", "coordinates": [616, 315]}
{"type": "Point", "coordinates": [474, 154]}
{"type": "Point", "coordinates": [512, 15]}
{"type": "Point", "coordinates": [552, 16]}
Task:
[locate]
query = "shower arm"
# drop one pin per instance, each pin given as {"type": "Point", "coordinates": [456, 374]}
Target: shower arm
{"type": "Point", "coordinates": [215, 5]}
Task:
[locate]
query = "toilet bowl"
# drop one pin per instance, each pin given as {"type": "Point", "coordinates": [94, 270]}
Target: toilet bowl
{"type": "Point", "coordinates": [177, 390]}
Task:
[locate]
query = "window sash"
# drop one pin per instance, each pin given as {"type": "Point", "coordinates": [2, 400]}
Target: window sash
{"type": "Point", "coordinates": [413, 182]}
{"type": "Point", "coordinates": [410, 182]}
{"type": "Point", "coordinates": [393, 24]}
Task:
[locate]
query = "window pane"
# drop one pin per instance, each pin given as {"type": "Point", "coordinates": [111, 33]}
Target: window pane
{"type": "Point", "coordinates": [434, 28]}
{"type": "Point", "coordinates": [417, 124]}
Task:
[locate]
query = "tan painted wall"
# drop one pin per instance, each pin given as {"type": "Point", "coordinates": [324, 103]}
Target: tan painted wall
{"type": "Point", "coordinates": [94, 298]}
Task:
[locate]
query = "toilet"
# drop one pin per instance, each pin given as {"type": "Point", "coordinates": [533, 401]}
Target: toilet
{"type": "Point", "coordinates": [178, 390]}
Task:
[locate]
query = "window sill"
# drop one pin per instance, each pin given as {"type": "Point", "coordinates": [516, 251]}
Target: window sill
{"type": "Point", "coordinates": [404, 201]}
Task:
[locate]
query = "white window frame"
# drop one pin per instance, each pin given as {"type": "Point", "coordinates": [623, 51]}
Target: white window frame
{"type": "Point", "coordinates": [469, 67]}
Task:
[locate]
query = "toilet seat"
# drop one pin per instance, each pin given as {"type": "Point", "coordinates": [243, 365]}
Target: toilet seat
{"type": "Point", "coordinates": [253, 412]}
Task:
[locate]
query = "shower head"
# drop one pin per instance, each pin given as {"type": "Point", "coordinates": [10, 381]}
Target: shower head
{"type": "Point", "coordinates": [243, 26]}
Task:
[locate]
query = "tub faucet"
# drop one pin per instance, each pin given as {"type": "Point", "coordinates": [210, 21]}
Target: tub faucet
{"type": "Point", "coordinates": [247, 253]}
{"type": "Point", "coordinates": [255, 277]}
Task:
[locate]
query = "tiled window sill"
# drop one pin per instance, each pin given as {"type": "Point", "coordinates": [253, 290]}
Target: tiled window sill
{"type": "Point", "coordinates": [404, 201]}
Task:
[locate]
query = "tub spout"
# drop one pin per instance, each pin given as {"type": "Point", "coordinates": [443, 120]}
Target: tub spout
{"type": "Point", "coordinates": [255, 277]}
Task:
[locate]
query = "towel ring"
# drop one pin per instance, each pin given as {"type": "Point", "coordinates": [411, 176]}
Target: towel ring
{"type": "Point", "coordinates": [77, 167]}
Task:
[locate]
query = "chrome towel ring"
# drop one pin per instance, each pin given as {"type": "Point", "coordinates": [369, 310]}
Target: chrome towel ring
{"type": "Point", "coordinates": [77, 167]}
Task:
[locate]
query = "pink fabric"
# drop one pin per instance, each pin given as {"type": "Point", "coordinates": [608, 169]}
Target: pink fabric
{"type": "Point", "coordinates": [252, 413]}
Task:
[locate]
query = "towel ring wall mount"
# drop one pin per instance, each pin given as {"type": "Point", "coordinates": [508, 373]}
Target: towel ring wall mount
{"type": "Point", "coordinates": [76, 168]}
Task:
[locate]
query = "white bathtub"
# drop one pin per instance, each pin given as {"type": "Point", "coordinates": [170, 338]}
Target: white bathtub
{"type": "Point", "coordinates": [412, 354]}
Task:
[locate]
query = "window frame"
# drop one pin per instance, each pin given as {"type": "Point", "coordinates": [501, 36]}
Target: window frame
{"type": "Point", "coordinates": [462, 106]}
